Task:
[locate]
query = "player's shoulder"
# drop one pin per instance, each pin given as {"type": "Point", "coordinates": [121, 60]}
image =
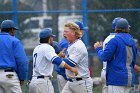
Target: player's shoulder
{"type": "Point", "coordinates": [111, 36]}
{"type": "Point", "coordinates": [45, 45]}
{"type": "Point", "coordinates": [15, 40]}
{"type": "Point", "coordinates": [79, 45]}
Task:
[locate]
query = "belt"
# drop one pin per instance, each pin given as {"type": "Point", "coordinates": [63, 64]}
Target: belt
{"type": "Point", "coordinates": [9, 70]}
{"type": "Point", "coordinates": [75, 79]}
{"type": "Point", "coordinates": [43, 77]}
{"type": "Point", "coordinates": [40, 77]}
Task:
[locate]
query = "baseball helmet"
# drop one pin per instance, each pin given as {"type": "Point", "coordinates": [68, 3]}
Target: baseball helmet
{"type": "Point", "coordinates": [80, 24]}
{"type": "Point", "coordinates": [122, 24]}
{"type": "Point", "coordinates": [8, 24]}
{"type": "Point", "coordinates": [46, 32]}
{"type": "Point", "coordinates": [114, 22]}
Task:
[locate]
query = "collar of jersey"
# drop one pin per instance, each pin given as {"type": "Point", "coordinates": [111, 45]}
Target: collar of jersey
{"type": "Point", "coordinates": [43, 43]}
{"type": "Point", "coordinates": [113, 33]}
{"type": "Point", "coordinates": [74, 42]}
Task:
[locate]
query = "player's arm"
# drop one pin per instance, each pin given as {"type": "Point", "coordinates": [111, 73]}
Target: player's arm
{"type": "Point", "coordinates": [21, 61]}
{"type": "Point", "coordinates": [62, 54]}
{"type": "Point", "coordinates": [58, 61]}
{"type": "Point", "coordinates": [53, 57]}
{"type": "Point", "coordinates": [108, 53]}
{"type": "Point", "coordinates": [137, 68]}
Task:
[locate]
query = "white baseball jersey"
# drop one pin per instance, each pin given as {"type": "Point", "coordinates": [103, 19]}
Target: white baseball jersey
{"type": "Point", "coordinates": [78, 55]}
{"type": "Point", "coordinates": [42, 56]}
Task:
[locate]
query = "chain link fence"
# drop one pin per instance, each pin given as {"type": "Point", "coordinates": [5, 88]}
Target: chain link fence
{"type": "Point", "coordinates": [32, 15]}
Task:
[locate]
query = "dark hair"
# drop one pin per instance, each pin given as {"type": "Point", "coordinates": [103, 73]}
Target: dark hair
{"type": "Point", "coordinates": [6, 29]}
{"type": "Point", "coordinates": [121, 30]}
{"type": "Point", "coordinates": [44, 40]}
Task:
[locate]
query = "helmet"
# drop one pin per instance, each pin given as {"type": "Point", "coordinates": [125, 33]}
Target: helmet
{"type": "Point", "coordinates": [8, 24]}
{"type": "Point", "coordinates": [114, 22]}
{"type": "Point", "coordinates": [122, 24]}
{"type": "Point", "coordinates": [46, 32]}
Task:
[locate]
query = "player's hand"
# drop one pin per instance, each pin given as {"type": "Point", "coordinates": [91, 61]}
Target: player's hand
{"type": "Point", "coordinates": [74, 70]}
{"type": "Point", "coordinates": [62, 54]}
{"type": "Point", "coordinates": [21, 82]}
{"type": "Point", "coordinates": [98, 44]}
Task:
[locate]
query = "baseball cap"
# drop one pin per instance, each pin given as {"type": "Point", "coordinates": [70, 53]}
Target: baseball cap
{"type": "Point", "coordinates": [122, 23]}
{"type": "Point", "coordinates": [80, 24]}
{"type": "Point", "coordinates": [8, 24]}
{"type": "Point", "coordinates": [114, 22]}
{"type": "Point", "coordinates": [46, 32]}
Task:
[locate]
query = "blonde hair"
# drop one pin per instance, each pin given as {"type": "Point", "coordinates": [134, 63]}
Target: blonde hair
{"type": "Point", "coordinates": [75, 28]}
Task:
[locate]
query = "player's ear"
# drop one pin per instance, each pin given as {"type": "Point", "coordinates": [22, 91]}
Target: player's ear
{"type": "Point", "coordinates": [12, 32]}
{"type": "Point", "coordinates": [49, 40]}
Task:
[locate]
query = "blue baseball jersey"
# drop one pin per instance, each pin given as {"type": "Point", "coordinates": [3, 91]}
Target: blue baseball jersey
{"type": "Point", "coordinates": [120, 54]}
{"type": "Point", "coordinates": [13, 55]}
{"type": "Point", "coordinates": [64, 43]}
{"type": "Point", "coordinates": [58, 47]}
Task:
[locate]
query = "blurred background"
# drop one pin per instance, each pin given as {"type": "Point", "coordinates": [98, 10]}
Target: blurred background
{"type": "Point", "coordinates": [31, 16]}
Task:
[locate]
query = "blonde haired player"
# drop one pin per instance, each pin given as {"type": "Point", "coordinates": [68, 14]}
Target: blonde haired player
{"type": "Point", "coordinates": [77, 56]}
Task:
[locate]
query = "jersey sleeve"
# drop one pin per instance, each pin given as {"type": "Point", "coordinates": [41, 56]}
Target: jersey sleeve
{"type": "Point", "coordinates": [50, 54]}
{"type": "Point", "coordinates": [53, 57]}
{"type": "Point", "coordinates": [108, 53]}
{"type": "Point", "coordinates": [21, 60]}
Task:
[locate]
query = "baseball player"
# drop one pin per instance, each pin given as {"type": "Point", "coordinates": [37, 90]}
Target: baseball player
{"type": "Point", "coordinates": [77, 56]}
{"type": "Point", "coordinates": [43, 57]}
{"type": "Point", "coordinates": [103, 72]}
{"type": "Point", "coordinates": [120, 54]}
{"type": "Point", "coordinates": [61, 76]}
{"type": "Point", "coordinates": [13, 61]}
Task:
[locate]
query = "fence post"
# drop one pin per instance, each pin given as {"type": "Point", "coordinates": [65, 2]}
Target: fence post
{"type": "Point", "coordinates": [84, 9]}
{"type": "Point", "coordinates": [14, 14]}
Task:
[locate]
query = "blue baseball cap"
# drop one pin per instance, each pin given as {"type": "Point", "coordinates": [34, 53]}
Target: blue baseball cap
{"type": "Point", "coordinates": [80, 24]}
{"type": "Point", "coordinates": [8, 24]}
{"type": "Point", "coordinates": [46, 32]}
{"type": "Point", "coordinates": [114, 22]}
{"type": "Point", "coordinates": [122, 24]}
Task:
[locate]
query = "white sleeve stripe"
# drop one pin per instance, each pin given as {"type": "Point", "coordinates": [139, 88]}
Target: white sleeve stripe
{"type": "Point", "coordinates": [71, 61]}
{"type": "Point", "coordinates": [62, 64]}
{"type": "Point", "coordinates": [53, 58]}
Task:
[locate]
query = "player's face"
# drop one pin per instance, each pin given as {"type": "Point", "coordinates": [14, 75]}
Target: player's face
{"type": "Point", "coordinates": [12, 32]}
{"type": "Point", "coordinates": [51, 40]}
{"type": "Point", "coordinates": [69, 34]}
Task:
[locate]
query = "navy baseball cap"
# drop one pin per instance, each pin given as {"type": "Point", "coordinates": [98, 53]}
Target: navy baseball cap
{"type": "Point", "coordinates": [46, 32]}
{"type": "Point", "coordinates": [8, 24]}
{"type": "Point", "coordinates": [122, 23]}
{"type": "Point", "coordinates": [80, 24]}
{"type": "Point", "coordinates": [114, 22]}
